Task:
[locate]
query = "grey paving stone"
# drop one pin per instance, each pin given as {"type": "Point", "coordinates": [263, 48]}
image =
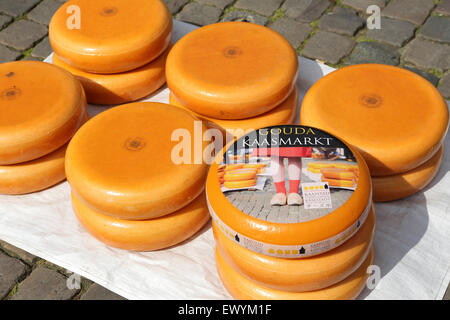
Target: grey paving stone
{"type": "Point", "coordinates": [11, 270]}
{"type": "Point", "coordinates": [444, 88]}
{"type": "Point", "coordinates": [22, 34]}
{"type": "Point", "coordinates": [246, 16]}
{"type": "Point", "coordinates": [31, 58]}
{"type": "Point", "coordinates": [44, 11]}
{"type": "Point", "coordinates": [294, 31]}
{"type": "Point", "coordinates": [393, 32]}
{"type": "Point", "coordinates": [436, 28]}
{"type": "Point", "coordinates": [305, 10]}
{"type": "Point", "coordinates": [199, 14]}
{"type": "Point", "coordinates": [362, 5]}
{"type": "Point", "coordinates": [44, 284]}
{"type": "Point", "coordinates": [19, 253]}
{"type": "Point", "coordinates": [343, 21]}
{"type": "Point", "coordinates": [42, 49]}
{"type": "Point", "coordinates": [414, 11]}
{"type": "Point", "coordinates": [175, 5]}
{"type": "Point", "coordinates": [427, 54]}
{"type": "Point", "coordinates": [221, 4]}
{"type": "Point", "coordinates": [429, 76]}
{"type": "Point", "coordinates": [443, 8]}
{"type": "Point", "coordinates": [7, 54]}
{"type": "Point", "coordinates": [97, 292]}
{"type": "Point", "coordinates": [17, 8]}
{"type": "Point", "coordinates": [374, 52]}
{"type": "Point", "coordinates": [327, 46]}
{"type": "Point", "coordinates": [266, 7]}
{"type": "Point", "coordinates": [4, 20]}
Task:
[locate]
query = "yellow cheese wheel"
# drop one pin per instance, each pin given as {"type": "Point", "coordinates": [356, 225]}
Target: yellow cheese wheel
{"type": "Point", "coordinates": [337, 173]}
{"type": "Point", "coordinates": [282, 114]}
{"type": "Point", "coordinates": [400, 186]}
{"type": "Point", "coordinates": [351, 167]}
{"type": "Point", "coordinates": [340, 220]}
{"type": "Point", "coordinates": [34, 175]}
{"type": "Point", "coordinates": [239, 175]}
{"type": "Point", "coordinates": [320, 165]}
{"type": "Point", "coordinates": [299, 275]}
{"type": "Point", "coordinates": [395, 118]}
{"type": "Point", "coordinates": [339, 183]}
{"type": "Point", "coordinates": [313, 170]}
{"type": "Point", "coordinates": [239, 184]}
{"type": "Point", "coordinates": [146, 235]}
{"type": "Point", "coordinates": [124, 162]}
{"type": "Point", "coordinates": [122, 87]}
{"type": "Point", "coordinates": [255, 165]}
{"type": "Point", "coordinates": [41, 108]}
{"type": "Point", "coordinates": [112, 36]}
{"type": "Point", "coordinates": [241, 288]}
{"type": "Point", "coordinates": [232, 70]}
{"type": "Point", "coordinates": [230, 167]}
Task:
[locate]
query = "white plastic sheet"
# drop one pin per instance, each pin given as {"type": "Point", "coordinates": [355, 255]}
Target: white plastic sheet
{"type": "Point", "coordinates": [412, 240]}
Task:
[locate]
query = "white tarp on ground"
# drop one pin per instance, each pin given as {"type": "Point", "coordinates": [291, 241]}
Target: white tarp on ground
{"type": "Point", "coordinates": [412, 241]}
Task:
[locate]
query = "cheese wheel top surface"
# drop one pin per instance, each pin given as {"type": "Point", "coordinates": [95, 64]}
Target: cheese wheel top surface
{"type": "Point", "coordinates": [125, 161]}
{"type": "Point", "coordinates": [394, 117]}
{"type": "Point", "coordinates": [290, 231]}
{"type": "Point", "coordinates": [126, 34]}
{"type": "Point", "coordinates": [231, 70]}
{"type": "Point", "coordinates": [41, 107]}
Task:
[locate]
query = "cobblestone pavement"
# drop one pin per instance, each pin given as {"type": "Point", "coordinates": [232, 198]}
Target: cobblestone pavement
{"type": "Point", "coordinates": [414, 34]}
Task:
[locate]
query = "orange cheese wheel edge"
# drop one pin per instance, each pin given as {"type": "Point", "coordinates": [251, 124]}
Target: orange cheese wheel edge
{"type": "Point", "coordinates": [146, 235]}
{"type": "Point", "coordinates": [235, 78]}
{"type": "Point", "coordinates": [299, 275]}
{"type": "Point", "coordinates": [124, 161]}
{"type": "Point", "coordinates": [37, 118]}
{"type": "Point", "coordinates": [112, 36]}
{"type": "Point", "coordinates": [395, 118]}
{"type": "Point", "coordinates": [400, 186]}
{"type": "Point", "coordinates": [241, 288]}
{"type": "Point", "coordinates": [122, 87]}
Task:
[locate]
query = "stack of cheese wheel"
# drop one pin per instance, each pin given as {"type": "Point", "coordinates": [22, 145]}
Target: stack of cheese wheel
{"type": "Point", "coordinates": [324, 257]}
{"type": "Point", "coordinates": [41, 108]}
{"type": "Point", "coordinates": [131, 189]}
{"type": "Point", "coordinates": [117, 49]}
{"type": "Point", "coordinates": [235, 76]}
{"type": "Point", "coordinates": [395, 118]}
{"type": "Point", "coordinates": [235, 177]}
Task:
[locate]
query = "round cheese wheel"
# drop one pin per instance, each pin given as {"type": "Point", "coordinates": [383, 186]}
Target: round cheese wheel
{"type": "Point", "coordinates": [127, 161]}
{"type": "Point", "coordinates": [255, 165]}
{"type": "Point", "coordinates": [283, 114]}
{"type": "Point", "coordinates": [231, 167]}
{"type": "Point", "coordinates": [232, 70]}
{"type": "Point", "coordinates": [299, 275]}
{"type": "Point", "coordinates": [241, 288]}
{"type": "Point", "coordinates": [239, 184]}
{"type": "Point", "coordinates": [320, 165]}
{"type": "Point", "coordinates": [400, 186]}
{"type": "Point", "coordinates": [34, 175]}
{"type": "Point", "coordinates": [395, 118]}
{"type": "Point", "coordinates": [279, 232]}
{"type": "Point", "coordinates": [337, 173]}
{"type": "Point", "coordinates": [122, 87]}
{"type": "Point", "coordinates": [110, 36]}
{"type": "Point", "coordinates": [146, 235]}
{"type": "Point", "coordinates": [240, 174]}
{"type": "Point", "coordinates": [41, 108]}
{"type": "Point", "coordinates": [339, 183]}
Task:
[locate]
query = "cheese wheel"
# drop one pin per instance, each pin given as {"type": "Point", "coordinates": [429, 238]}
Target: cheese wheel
{"type": "Point", "coordinates": [351, 167]}
{"type": "Point", "coordinates": [403, 185]}
{"type": "Point", "coordinates": [339, 183]}
{"type": "Point", "coordinates": [240, 174]}
{"type": "Point", "coordinates": [299, 275]}
{"type": "Point", "coordinates": [269, 234]}
{"type": "Point", "coordinates": [320, 165]}
{"type": "Point", "coordinates": [255, 165]}
{"type": "Point", "coordinates": [127, 161]}
{"type": "Point", "coordinates": [230, 167]}
{"type": "Point", "coordinates": [336, 173]}
{"type": "Point", "coordinates": [41, 108]}
{"type": "Point", "coordinates": [395, 118]}
{"type": "Point", "coordinates": [282, 114]}
{"type": "Point", "coordinates": [34, 175]}
{"type": "Point", "coordinates": [314, 170]}
{"type": "Point", "coordinates": [122, 87]}
{"type": "Point", "coordinates": [239, 184]}
{"type": "Point", "coordinates": [232, 70]}
{"type": "Point", "coordinates": [241, 288]}
{"type": "Point", "coordinates": [110, 36]}
{"type": "Point", "coordinates": [146, 235]}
